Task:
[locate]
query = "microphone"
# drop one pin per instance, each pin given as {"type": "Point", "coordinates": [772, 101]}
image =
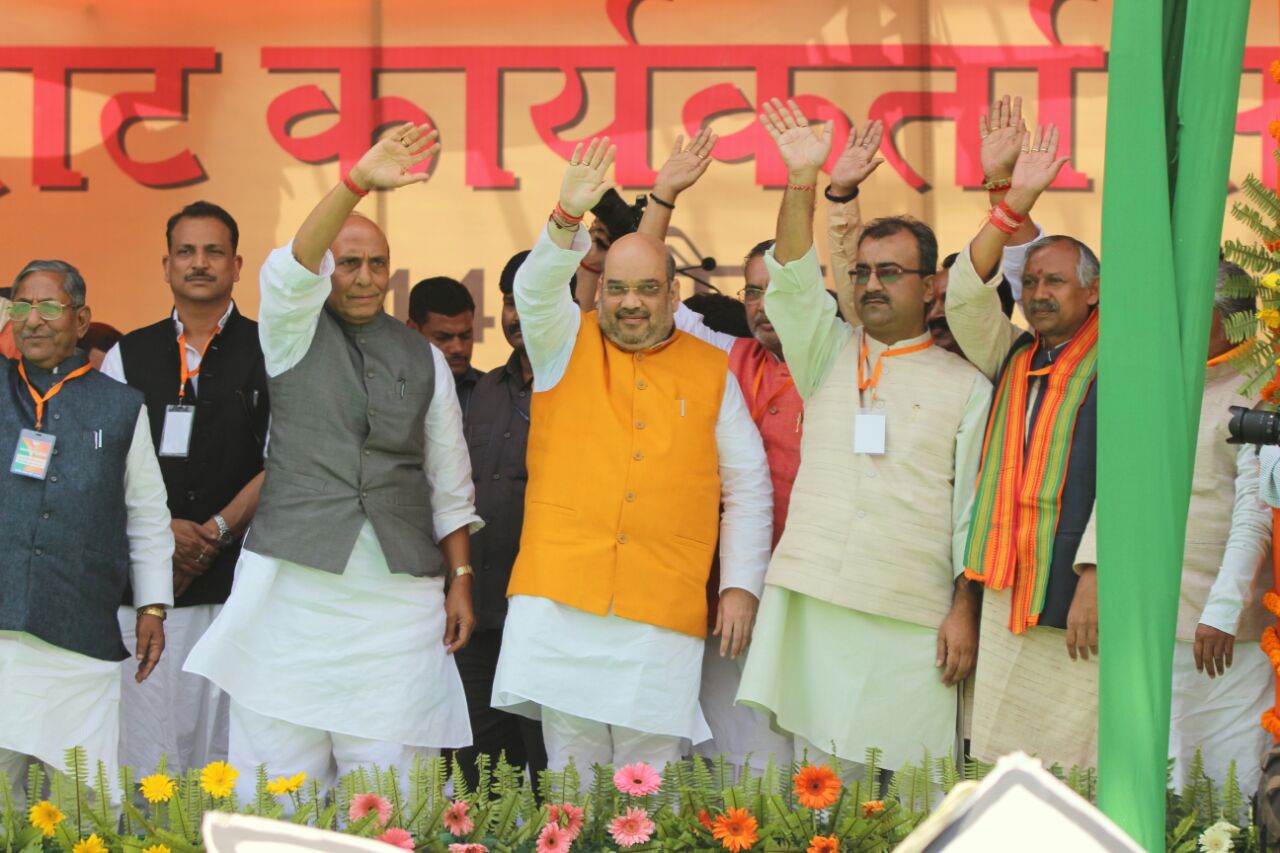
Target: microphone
{"type": "Point", "coordinates": [706, 264]}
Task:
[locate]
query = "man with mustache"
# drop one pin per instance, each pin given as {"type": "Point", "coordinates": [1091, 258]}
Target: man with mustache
{"type": "Point", "coordinates": [865, 586]}
{"type": "Point", "coordinates": [936, 319]}
{"type": "Point", "coordinates": [1031, 540]}
{"type": "Point", "coordinates": [202, 373]}
{"type": "Point", "coordinates": [638, 435]}
{"type": "Point", "coordinates": [442, 311]}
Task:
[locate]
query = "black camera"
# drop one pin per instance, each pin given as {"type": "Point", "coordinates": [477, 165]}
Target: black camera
{"type": "Point", "coordinates": [1253, 427]}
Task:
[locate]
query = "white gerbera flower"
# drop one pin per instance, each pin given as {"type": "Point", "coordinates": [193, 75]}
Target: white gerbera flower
{"type": "Point", "coordinates": [1217, 838]}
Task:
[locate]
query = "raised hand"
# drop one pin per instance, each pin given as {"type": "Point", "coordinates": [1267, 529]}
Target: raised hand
{"type": "Point", "coordinates": [685, 165]}
{"type": "Point", "coordinates": [858, 159]}
{"type": "Point", "coordinates": [386, 165]}
{"type": "Point", "coordinates": [1001, 138]}
{"type": "Point", "coordinates": [1039, 163]}
{"type": "Point", "coordinates": [804, 147]}
{"type": "Point", "coordinates": [584, 182]}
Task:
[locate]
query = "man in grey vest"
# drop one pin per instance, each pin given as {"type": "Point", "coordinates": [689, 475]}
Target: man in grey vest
{"type": "Point", "coordinates": [335, 644]}
{"type": "Point", "coordinates": [82, 513]}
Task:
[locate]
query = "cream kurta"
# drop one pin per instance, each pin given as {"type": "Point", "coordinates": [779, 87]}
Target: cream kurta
{"type": "Point", "coordinates": [846, 637]}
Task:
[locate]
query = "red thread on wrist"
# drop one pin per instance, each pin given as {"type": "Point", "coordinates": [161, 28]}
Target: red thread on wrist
{"type": "Point", "coordinates": [802, 187]}
{"type": "Point", "coordinates": [564, 214]}
{"type": "Point", "coordinates": [998, 219]}
{"type": "Point", "coordinates": [353, 186]}
{"type": "Point", "coordinates": [1014, 216]}
{"type": "Point", "coordinates": [586, 266]}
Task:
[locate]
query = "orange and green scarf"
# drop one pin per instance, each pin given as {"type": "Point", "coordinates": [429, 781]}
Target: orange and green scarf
{"type": "Point", "coordinates": [1019, 495]}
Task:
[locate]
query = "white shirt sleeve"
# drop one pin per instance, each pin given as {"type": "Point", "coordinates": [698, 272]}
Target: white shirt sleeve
{"type": "Point", "coordinates": [1247, 546]}
{"type": "Point", "coordinates": [691, 322]}
{"type": "Point", "coordinates": [147, 511]}
{"type": "Point", "coordinates": [973, 427]}
{"type": "Point", "coordinates": [1268, 484]}
{"type": "Point", "coordinates": [1015, 258]}
{"type": "Point", "coordinates": [113, 365]}
{"type": "Point", "coordinates": [292, 299]}
{"type": "Point", "coordinates": [447, 463]}
{"type": "Point", "coordinates": [549, 318]}
{"type": "Point", "coordinates": [746, 524]}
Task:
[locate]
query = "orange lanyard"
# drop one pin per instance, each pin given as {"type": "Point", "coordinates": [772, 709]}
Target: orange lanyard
{"type": "Point", "coordinates": [755, 392]}
{"type": "Point", "coordinates": [182, 361]}
{"type": "Point", "coordinates": [53, 392]}
{"type": "Point", "coordinates": [874, 381]}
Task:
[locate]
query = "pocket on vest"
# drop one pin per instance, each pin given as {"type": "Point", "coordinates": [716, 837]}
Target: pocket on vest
{"type": "Point", "coordinates": [293, 478]}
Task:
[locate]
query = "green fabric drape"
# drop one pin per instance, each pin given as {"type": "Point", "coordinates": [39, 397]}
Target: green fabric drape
{"type": "Point", "coordinates": [1174, 79]}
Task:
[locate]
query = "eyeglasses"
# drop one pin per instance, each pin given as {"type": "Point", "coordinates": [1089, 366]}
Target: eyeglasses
{"type": "Point", "coordinates": [617, 289]}
{"type": "Point", "coordinates": [887, 273]}
{"type": "Point", "coordinates": [49, 309]}
{"type": "Point", "coordinates": [751, 293]}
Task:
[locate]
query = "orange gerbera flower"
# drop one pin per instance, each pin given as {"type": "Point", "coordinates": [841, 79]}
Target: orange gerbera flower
{"type": "Point", "coordinates": [871, 808]}
{"type": "Point", "coordinates": [824, 844]}
{"type": "Point", "coordinates": [704, 818]}
{"type": "Point", "coordinates": [816, 785]}
{"type": "Point", "coordinates": [735, 830]}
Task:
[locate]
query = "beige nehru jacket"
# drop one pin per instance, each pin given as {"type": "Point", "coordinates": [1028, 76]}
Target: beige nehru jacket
{"type": "Point", "coordinates": [1228, 527]}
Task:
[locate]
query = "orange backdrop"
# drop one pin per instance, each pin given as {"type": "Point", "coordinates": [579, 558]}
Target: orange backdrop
{"type": "Point", "coordinates": [115, 114]}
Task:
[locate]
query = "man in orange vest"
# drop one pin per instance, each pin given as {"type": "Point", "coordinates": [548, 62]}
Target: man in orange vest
{"type": "Point", "coordinates": [638, 435]}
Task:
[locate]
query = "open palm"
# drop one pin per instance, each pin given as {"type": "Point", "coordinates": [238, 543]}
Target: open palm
{"type": "Point", "coordinates": [686, 164]}
{"type": "Point", "coordinates": [1039, 164]}
{"type": "Point", "coordinates": [1001, 137]}
{"type": "Point", "coordinates": [386, 165]}
{"type": "Point", "coordinates": [584, 182]}
{"type": "Point", "coordinates": [804, 147]}
{"type": "Point", "coordinates": [858, 159]}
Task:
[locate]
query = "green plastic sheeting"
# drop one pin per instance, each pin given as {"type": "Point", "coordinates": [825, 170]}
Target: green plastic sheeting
{"type": "Point", "coordinates": [1174, 80]}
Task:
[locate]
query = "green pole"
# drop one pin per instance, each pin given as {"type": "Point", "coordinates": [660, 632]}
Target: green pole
{"type": "Point", "coordinates": [1167, 157]}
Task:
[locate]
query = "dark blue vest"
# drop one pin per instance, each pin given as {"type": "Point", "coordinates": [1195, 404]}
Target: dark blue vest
{"type": "Point", "coordinates": [64, 552]}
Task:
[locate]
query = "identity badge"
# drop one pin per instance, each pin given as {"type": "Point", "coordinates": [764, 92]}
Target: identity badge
{"type": "Point", "coordinates": [868, 433]}
{"type": "Point", "coordinates": [32, 455]}
{"type": "Point", "coordinates": [175, 438]}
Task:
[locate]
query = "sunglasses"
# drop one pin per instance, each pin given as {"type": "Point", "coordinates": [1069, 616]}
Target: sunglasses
{"type": "Point", "coordinates": [49, 309]}
{"type": "Point", "coordinates": [887, 273]}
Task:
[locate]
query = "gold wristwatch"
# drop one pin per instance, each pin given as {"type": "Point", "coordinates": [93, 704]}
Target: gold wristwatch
{"type": "Point", "coordinates": [154, 610]}
{"type": "Point", "coordinates": [463, 570]}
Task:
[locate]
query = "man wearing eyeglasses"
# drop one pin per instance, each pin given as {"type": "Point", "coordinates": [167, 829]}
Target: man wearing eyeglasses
{"type": "Point", "coordinates": [865, 587]}
{"type": "Point", "coordinates": [82, 516]}
{"type": "Point", "coordinates": [638, 435]}
{"type": "Point", "coordinates": [201, 369]}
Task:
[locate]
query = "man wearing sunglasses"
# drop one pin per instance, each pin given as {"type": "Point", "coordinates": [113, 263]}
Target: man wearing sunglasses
{"type": "Point", "coordinates": [82, 516]}
{"type": "Point", "coordinates": [865, 587]}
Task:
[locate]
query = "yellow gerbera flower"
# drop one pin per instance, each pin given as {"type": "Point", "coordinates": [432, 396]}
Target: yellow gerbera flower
{"type": "Point", "coordinates": [1271, 317]}
{"type": "Point", "coordinates": [1271, 281]}
{"type": "Point", "coordinates": [218, 779]}
{"type": "Point", "coordinates": [157, 788]}
{"type": "Point", "coordinates": [286, 786]}
{"type": "Point", "coordinates": [92, 844]}
{"type": "Point", "coordinates": [44, 816]}
{"type": "Point", "coordinates": [156, 848]}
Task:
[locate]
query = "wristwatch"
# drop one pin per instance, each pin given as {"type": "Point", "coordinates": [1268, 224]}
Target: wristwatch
{"type": "Point", "coordinates": [460, 571]}
{"type": "Point", "coordinates": [154, 610]}
{"type": "Point", "coordinates": [225, 536]}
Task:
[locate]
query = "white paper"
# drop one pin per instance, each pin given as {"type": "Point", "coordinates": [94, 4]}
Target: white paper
{"type": "Point", "coordinates": [868, 433]}
{"type": "Point", "coordinates": [175, 439]}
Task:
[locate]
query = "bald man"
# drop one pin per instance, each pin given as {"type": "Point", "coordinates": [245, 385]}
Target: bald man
{"type": "Point", "coordinates": [638, 436]}
{"type": "Point", "coordinates": [353, 589]}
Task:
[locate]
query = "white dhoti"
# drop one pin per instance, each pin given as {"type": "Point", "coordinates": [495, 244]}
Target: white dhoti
{"type": "Point", "coordinates": [1029, 694]}
{"type": "Point", "coordinates": [607, 689]}
{"type": "Point", "coordinates": [737, 731]}
{"type": "Point", "coordinates": [360, 654]}
{"type": "Point", "coordinates": [173, 713]}
{"type": "Point", "coordinates": [1221, 717]}
{"type": "Point", "coordinates": [54, 700]}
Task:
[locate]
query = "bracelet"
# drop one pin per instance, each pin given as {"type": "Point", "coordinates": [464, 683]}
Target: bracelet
{"type": "Point", "coordinates": [1005, 219]}
{"type": "Point", "coordinates": [153, 610]}
{"type": "Point", "coordinates": [1011, 214]}
{"type": "Point", "coordinates": [668, 205]}
{"type": "Point", "coordinates": [802, 187]}
{"type": "Point", "coordinates": [586, 266]}
{"type": "Point", "coordinates": [353, 186]}
{"type": "Point", "coordinates": [840, 199]}
{"type": "Point", "coordinates": [997, 184]}
{"type": "Point", "coordinates": [560, 211]}
{"type": "Point", "coordinates": [558, 219]}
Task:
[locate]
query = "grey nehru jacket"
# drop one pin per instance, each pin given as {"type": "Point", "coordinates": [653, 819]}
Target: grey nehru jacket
{"type": "Point", "coordinates": [348, 443]}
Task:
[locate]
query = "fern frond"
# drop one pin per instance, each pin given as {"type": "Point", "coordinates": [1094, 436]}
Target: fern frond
{"type": "Point", "coordinates": [1251, 217]}
{"type": "Point", "coordinates": [1262, 196]}
{"type": "Point", "coordinates": [1252, 257]}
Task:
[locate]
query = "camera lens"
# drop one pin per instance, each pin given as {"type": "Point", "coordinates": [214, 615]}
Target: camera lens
{"type": "Point", "coordinates": [1250, 427]}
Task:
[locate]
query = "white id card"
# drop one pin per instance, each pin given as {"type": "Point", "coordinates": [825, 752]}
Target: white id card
{"type": "Point", "coordinates": [868, 433]}
{"type": "Point", "coordinates": [31, 456]}
{"type": "Point", "coordinates": [175, 438]}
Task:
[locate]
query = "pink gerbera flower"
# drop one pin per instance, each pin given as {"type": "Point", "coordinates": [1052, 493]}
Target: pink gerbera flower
{"type": "Point", "coordinates": [637, 779]}
{"type": "Point", "coordinates": [576, 818]}
{"type": "Point", "coordinates": [363, 804]}
{"type": "Point", "coordinates": [456, 819]}
{"type": "Point", "coordinates": [631, 828]}
{"type": "Point", "coordinates": [553, 839]}
{"type": "Point", "coordinates": [396, 838]}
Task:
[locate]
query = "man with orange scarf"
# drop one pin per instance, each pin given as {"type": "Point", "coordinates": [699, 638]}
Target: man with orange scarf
{"type": "Point", "coordinates": [1031, 538]}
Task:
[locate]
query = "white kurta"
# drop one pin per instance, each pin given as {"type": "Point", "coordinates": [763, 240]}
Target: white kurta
{"type": "Point", "coordinates": [606, 668]}
{"type": "Point", "coordinates": [360, 653]}
{"type": "Point", "coordinates": [55, 699]}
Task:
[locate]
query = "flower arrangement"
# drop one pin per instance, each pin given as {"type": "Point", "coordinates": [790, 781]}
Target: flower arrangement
{"type": "Point", "coordinates": [693, 806]}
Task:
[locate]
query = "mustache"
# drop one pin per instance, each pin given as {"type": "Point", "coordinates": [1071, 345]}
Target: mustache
{"type": "Point", "coordinates": [939, 324]}
{"type": "Point", "coordinates": [1042, 305]}
{"type": "Point", "coordinates": [630, 313]}
{"type": "Point", "coordinates": [512, 328]}
{"type": "Point", "coordinates": [198, 276]}
{"type": "Point", "coordinates": [873, 297]}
